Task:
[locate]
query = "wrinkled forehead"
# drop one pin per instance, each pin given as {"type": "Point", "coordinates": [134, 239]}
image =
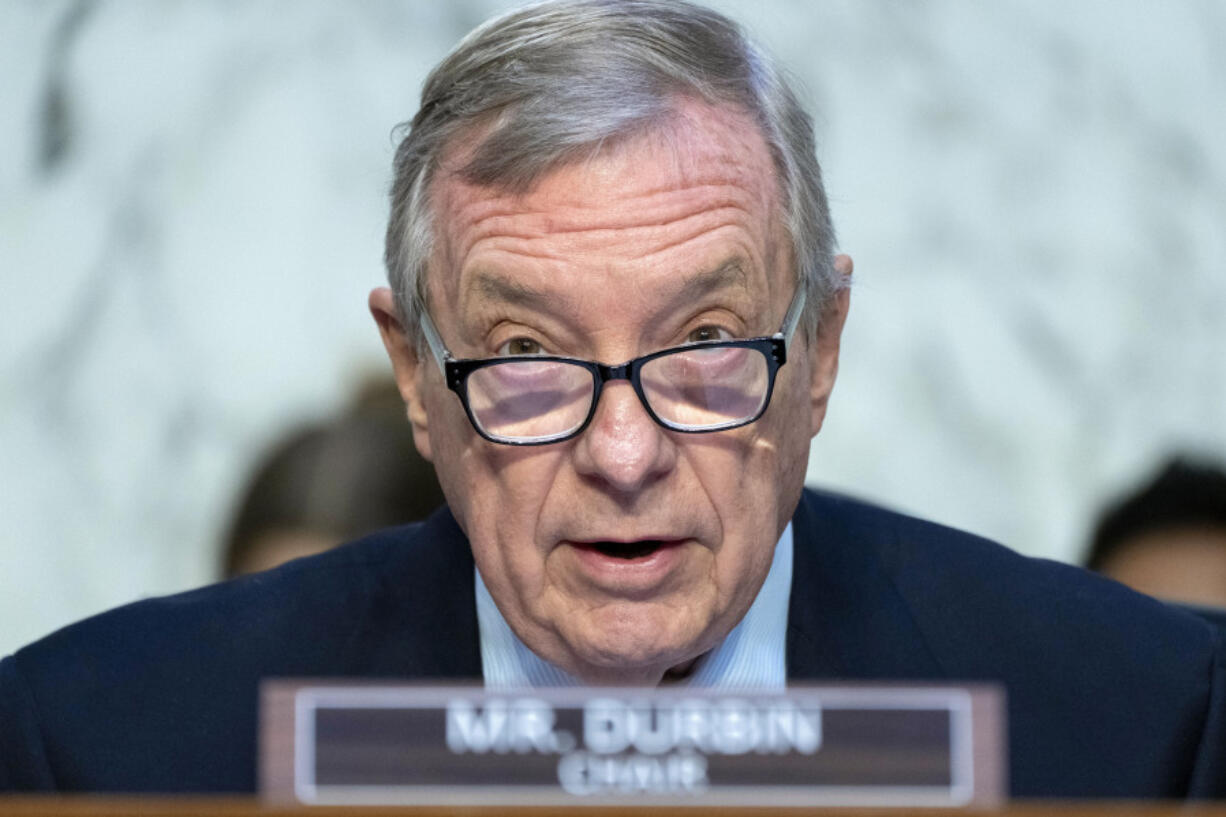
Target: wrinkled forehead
{"type": "Point", "coordinates": [698, 149]}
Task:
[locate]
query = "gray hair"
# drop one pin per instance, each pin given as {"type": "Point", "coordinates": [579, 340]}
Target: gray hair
{"type": "Point", "coordinates": [555, 81]}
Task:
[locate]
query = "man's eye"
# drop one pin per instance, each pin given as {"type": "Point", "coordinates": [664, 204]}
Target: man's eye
{"type": "Point", "coordinates": [520, 346]}
{"type": "Point", "coordinates": [707, 333]}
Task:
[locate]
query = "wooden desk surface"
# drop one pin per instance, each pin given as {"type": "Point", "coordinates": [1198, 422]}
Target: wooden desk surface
{"type": "Point", "coordinates": [90, 806]}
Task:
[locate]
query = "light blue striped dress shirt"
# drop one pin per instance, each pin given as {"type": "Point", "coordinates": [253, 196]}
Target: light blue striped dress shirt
{"type": "Point", "coordinates": [752, 656]}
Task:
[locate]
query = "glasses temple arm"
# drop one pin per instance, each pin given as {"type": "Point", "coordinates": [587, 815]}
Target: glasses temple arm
{"type": "Point", "coordinates": [434, 341]}
{"type": "Point", "coordinates": [792, 318]}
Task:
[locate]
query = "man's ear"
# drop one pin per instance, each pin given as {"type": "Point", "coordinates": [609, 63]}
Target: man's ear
{"type": "Point", "coordinates": [825, 356]}
{"type": "Point", "coordinates": [403, 351]}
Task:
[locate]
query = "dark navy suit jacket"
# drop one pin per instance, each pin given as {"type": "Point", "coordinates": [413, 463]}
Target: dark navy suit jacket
{"type": "Point", "coordinates": [1109, 693]}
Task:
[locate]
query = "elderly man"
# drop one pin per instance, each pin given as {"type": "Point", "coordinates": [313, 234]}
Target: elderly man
{"type": "Point", "coordinates": [614, 316]}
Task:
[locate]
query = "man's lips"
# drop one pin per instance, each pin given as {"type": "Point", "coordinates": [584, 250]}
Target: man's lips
{"type": "Point", "coordinates": [628, 550]}
{"type": "Point", "coordinates": [629, 568]}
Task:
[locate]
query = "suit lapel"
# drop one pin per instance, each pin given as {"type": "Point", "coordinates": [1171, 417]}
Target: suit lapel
{"type": "Point", "coordinates": [846, 619]}
{"type": "Point", "coordinates": [425, 611]}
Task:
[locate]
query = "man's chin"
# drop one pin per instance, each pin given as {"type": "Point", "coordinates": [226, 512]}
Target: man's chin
{"type": "Point", "coordinates": [636, 655]}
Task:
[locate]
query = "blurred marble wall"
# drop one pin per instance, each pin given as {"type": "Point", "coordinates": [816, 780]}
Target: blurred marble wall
{"type": "Point", "coordinates": [192, 202]}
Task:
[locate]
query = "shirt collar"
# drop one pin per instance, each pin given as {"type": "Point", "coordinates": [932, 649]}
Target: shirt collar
{"type": "Point", "coordinates": [751, 656]}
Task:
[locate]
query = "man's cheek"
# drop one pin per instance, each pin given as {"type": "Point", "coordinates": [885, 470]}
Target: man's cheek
{"type": "Point", "coordinates": [526, 475]}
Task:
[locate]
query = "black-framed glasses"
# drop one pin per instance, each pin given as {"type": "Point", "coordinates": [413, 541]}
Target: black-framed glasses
{"type": "Point", "coordinates": [696, 388]}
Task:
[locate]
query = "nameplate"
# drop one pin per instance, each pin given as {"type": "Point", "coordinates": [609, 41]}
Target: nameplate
{"type": "Point", "coordinates": [870, 745]}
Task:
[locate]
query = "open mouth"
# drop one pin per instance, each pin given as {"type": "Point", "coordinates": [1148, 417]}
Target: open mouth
{"type": "Point", "coordinates": [627, 550]}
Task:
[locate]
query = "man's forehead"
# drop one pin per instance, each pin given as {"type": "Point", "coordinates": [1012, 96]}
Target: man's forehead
{"type": "Point", "coordinates": [714, 156]}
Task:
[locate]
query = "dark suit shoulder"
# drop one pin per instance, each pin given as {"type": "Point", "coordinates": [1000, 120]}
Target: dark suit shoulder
{"type": "Point", "coordinates": [241, 617]}
{"type": "Point", "coordinates": [963, 583]}
{"type": "Point", "coordinates": [162, 694]}
{"type": "Point", "coordinates": [1111, 693]}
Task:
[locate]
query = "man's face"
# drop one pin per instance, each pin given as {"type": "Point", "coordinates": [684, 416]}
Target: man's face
{"type": "Point", "coordinates": [668, 238]}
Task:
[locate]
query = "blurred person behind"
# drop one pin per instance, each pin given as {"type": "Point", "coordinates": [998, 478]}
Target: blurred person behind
{"type": "Point", "coordinates": [1167, 538]}
{"type": "Point", "coordinates": [331, 482]}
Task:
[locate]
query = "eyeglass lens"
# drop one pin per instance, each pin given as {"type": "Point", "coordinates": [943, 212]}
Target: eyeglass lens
{"type": "Point", "coordinates": [529, 399]}
{"type": "Point", "coordinates": [702, 388]}
{"type": "Point", "coordinates": [692, 389]}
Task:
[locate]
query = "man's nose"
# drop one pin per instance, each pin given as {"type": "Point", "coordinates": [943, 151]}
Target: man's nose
{"type": "Point", "coordinates": [623, 447]}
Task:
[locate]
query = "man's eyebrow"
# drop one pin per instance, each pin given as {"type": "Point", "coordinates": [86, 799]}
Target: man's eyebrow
{"type": "Point", "coordinates": [508, 290]}
{"type": "Point", "coordinates": [730, 273]}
